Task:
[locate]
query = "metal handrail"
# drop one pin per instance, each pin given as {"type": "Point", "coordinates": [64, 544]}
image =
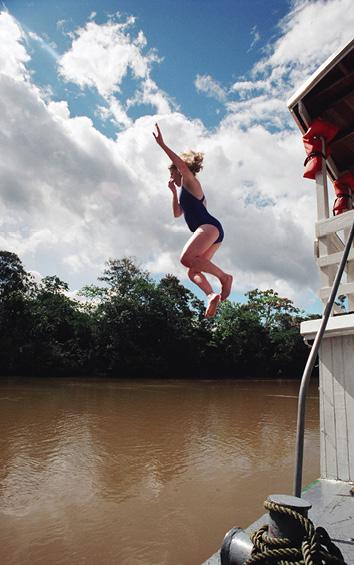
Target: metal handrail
{"type": "Point", "coordinates": [300, 427]}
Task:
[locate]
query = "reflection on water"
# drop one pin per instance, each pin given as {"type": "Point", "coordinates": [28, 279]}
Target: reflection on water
{"type": "Point", "coordinates": [141, 472]}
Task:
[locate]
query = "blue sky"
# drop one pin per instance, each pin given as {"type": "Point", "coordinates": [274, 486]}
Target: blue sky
{"type": "Point", "coordinates": [222, 39]}
{"type": "Point", "coordinates": [82, 84]}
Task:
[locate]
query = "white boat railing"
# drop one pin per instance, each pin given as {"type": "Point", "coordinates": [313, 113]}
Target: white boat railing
{"type": "Point", "coordinates": [300, 429]}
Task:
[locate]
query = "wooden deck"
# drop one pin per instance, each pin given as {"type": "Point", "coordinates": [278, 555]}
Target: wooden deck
{"type": "Point", "coordinates": [332, 508]}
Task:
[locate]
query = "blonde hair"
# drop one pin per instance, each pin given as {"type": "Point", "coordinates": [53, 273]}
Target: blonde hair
{"type": "Point", "coordinates": [193, 160]}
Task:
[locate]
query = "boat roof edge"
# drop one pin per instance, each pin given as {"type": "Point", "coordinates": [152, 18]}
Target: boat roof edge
{"type": "Point", "coordinates": [319, 74]}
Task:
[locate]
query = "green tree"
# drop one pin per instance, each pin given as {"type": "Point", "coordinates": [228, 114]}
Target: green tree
{"type": "Point", "coordinates": [287, 352]}
{"type": "Point", "coordinates": [271, 308]}
{"type": "Point", "coordinates": [123, 277]}
{"type": "Point", "coordinates": [240, 342]}
{"type": "Point", "coordinates": [122, 312]}
{"type": "Point", "coordinates": [186, 332]}
{"type": "Point", "coordinates": [61, 336]}
{"type": "Point", "coordinates": [15, 313]}
{"type": "Point", "coordinates": [133, 326]}
{"type": "Point", "coordinates": [145, 328]}
{"type": "Point", "coordinates": [13, 277]}
{"type": "Point", "coordinates": [53, 285]}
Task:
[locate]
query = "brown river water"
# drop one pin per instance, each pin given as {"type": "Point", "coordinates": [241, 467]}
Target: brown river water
{"type": "Point", "coordinates": [102, 472]}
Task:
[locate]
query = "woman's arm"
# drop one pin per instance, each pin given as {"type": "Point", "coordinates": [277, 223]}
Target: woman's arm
{"type": "Point", "coordinates": [188, 178]}
{"type": "Point", "coordinates": [176, 208]}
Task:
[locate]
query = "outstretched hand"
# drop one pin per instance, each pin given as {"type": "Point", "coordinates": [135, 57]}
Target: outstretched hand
{"type": "Point", "coordinates": [158, 136]}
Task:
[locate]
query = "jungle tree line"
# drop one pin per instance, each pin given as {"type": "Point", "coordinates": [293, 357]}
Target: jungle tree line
{"type": "Point", "coordinates": [129, 325]}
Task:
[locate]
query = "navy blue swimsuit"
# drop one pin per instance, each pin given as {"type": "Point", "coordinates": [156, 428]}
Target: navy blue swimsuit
{"type": "Point", "coordinates": [196, 214]}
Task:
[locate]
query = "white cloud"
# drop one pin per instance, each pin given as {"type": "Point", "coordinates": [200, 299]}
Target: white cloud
{"type": "Point", "coordinates": [210, 87]}
{"type": "Point", "coordinates": [260, 109]}
{"type": "Point", "coordinates": [309, 34]}
{"type": "Point", "coordinates": [164, 262]}
{"type": "Point", "coordinates": [70, 197]}
{"type": "Point", "coordinates": [13, 55]}
{"type": "Point", "coordinates": [256, 36]}
{"type": "Point", "coordinates": [150, 94]}
{"type": "Point", "coordinates": [61, 24]}
{"type": "Point", "coordinates": [102, 56]}
{"type": "Point", "coordinates": [244, 87]}
{"type": "Point", "coordinates": [59, 109]}
{"type": "Point", "coordinates": [116, 112]}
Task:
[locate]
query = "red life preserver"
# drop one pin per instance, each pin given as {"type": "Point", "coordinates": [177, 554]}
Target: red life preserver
{"type": "Point", "coordinates": [313, 145]}
{"type": "Point", "coordinates": [343, 186]}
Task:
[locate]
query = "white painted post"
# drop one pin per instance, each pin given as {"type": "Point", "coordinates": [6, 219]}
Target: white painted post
{"type": "Point", "coordinates": [336, 364]}
{"type": "Point", "coordinates": [322, 196]}
{"type": "Point", "coordinates": [327, 274]}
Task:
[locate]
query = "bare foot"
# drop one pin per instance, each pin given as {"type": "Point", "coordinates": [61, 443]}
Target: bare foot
{"type": "Point", "coordinates": [226, 284]}
{"type": "Point", "coordinates": [213, 303]}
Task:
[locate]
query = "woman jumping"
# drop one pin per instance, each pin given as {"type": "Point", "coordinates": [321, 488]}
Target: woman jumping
{"type": "Point", "coordinates": [208, 233]}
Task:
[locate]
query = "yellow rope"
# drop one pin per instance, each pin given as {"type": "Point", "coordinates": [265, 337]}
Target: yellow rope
{"type": "Point", "coordinates": [316, 547]}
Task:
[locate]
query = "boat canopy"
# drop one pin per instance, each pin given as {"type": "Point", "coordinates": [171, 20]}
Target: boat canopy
{"type": "Point", "coordinates": [329, 95]}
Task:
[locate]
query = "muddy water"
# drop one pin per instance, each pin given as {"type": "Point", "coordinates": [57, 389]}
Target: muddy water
{"type": "Point", "coordinates": [102, 472]}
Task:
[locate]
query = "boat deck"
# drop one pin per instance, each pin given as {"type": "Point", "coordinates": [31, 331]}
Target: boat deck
{"type": "Point", "coordinates": [332, 508]}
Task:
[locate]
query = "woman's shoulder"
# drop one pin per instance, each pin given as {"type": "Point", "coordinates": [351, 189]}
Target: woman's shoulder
{"type": "Point", "coordinates": [194, 188]}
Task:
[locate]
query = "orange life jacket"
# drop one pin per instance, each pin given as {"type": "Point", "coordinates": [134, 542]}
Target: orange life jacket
{"type": "Point", "coordinates": [344, 187]}
{"type": "Point", "coordinates": [313, 145]}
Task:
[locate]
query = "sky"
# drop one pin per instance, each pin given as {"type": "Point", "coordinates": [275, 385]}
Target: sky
{"type": "Point", "coordinates": [81, 178]}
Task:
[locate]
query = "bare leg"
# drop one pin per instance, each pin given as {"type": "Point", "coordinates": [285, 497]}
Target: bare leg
{"type": "Point", "coordinates": [213, 303]}
{"type": "Point", "coordinates": [197, 254]}
{"type": "Point", "coordinates": [200, 280]}
{"type": "Point", "coordinates": [201, 263]}
{"type": "Point", "coordinates": [197, 277]}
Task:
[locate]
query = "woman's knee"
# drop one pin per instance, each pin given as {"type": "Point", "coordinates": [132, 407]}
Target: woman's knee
{"type": "Point", "coordinates": [193, 262]}
{"type": "Point", "coordinates": [190, 261]}
{"type": "Point", "coordinates": [186, 260]}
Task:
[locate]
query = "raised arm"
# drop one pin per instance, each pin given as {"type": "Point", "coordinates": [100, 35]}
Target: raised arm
{"type": "Point", "coordinates": [188, 178]}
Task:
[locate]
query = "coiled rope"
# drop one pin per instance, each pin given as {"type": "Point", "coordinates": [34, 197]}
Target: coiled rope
{"type": "Point", "coordinates": [316, 547]}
